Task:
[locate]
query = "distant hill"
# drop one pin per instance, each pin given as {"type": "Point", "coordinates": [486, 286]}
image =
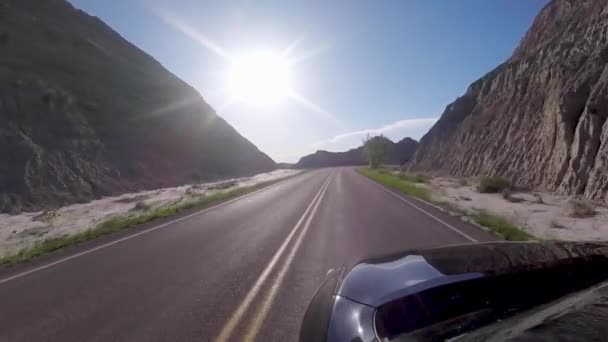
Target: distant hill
{"type": "Point", "coordinates": [84, 113]}
{"type": "Point", "coordinates": [540, 117]}
{"type": "Point", "coordinates": [399, 153]}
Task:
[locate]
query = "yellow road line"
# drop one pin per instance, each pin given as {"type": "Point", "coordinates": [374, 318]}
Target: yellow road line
{"type": "Point", "coordinates": [254, 328]}
{"type": "Point", "coordinates": [235, 318]}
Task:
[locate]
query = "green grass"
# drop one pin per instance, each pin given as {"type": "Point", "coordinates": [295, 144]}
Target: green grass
{"type": "Point", "coordinates": [119, 223]}
{"type": "Point", "coordinates": [496, 224]}
{"type": "Point", "coordinates": [501, 226]}
{"type": "Point", "coordinates": [395, 182]}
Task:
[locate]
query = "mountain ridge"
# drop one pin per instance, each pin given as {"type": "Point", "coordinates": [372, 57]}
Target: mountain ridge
{"type": "Point", "coordinates": [399, 153]}
{"type": "Point", "coordinates": [539, 118]}
{"type": "Point", "coordinates": [86, 114]}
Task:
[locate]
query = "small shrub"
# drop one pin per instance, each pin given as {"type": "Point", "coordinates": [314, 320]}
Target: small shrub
{"type": "Point", "coordinates": [417, 178]}
{"type": "Point", "coordinates": [46, 216]}
{"type": "Point", "coordinates": [581, 208]}
{"type": "Point", "coordinates": [141, 206]}
{"type": "Point", "coordinates": [539, 199]}
{"type": "Point", "coordinates": [463, 182]}
{"type": "Point", "coordinates": [493, 184]}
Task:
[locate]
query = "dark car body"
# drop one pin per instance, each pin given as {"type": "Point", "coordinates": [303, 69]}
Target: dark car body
{"type": "Point", "coordinates": [442, 293]}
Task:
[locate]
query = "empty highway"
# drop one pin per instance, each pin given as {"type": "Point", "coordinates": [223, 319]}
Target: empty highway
{"type": "Point", "coordinates": [243, 270]}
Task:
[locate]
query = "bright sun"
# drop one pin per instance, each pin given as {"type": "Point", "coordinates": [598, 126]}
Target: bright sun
{"type": "Point", "coordinates": [260, 79]}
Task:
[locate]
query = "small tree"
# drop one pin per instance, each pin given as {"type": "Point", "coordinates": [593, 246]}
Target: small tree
{"type": "Point", "coordinates": [376, 150]}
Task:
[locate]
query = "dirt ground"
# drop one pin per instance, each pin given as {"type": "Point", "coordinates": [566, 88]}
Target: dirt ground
{"type": "Point", "coordinates": [546, 216]}
{"type": "Point", "coordinates": [24, 230]}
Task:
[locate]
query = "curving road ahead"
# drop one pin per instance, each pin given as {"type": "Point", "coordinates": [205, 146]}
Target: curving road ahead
{"type": "Point", "coordinates": [244, 270]}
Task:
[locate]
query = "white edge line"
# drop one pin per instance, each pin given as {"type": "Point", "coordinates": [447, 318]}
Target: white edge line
{"type": "Point", "coordinates": [149, 230]}
{"type": "Point", "coordinates": [423, 211]}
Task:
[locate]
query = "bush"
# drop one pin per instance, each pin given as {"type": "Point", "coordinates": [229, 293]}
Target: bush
{"type": "Point", "coordinates": [581, 209]}
{"type": "Point", "coordinates": [493, 184]}
{"type": "Point", "coordinates": [417, 178]}
{"type": "Point", "coordinates": [141, 206]}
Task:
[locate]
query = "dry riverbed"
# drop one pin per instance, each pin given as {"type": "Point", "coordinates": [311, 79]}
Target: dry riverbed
{"type": "Point", "coordinates": [23, 231]}
{"type": "Point", "coordinates": [544, 215]}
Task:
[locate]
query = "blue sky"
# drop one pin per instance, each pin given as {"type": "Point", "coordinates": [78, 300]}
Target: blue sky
{"type": "Point", "coordinates": [362, 66]}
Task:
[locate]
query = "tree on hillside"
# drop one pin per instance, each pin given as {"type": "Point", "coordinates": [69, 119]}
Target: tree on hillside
{"type": "Point", "coordinates": [376, 150]}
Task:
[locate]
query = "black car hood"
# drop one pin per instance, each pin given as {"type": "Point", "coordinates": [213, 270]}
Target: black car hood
{"type": "Point", "coordinates": [376, 281]}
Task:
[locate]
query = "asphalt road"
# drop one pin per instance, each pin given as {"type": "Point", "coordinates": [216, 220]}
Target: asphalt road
{"type": "Point", "coordinates": [244, 270]}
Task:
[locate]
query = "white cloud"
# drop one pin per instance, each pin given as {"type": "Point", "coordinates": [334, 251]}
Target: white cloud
{"type": "Point", "coordinates": [401, 125]}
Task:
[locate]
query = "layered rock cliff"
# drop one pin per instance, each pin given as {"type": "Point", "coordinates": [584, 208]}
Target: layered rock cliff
{"type": "Point", "coordinates": [539, 118]}
{"type": "Point", "coordinates": [84, 113]}
{"type": "Point", "coordinates": [398, 154]}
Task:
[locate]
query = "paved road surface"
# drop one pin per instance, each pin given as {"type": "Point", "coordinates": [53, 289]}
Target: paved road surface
{"type": "Point", "coordinates": [243, 270]}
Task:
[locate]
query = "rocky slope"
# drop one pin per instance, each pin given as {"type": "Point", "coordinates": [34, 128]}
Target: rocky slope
{"type": "Point", "coordinates": [539, 118]}
{"type": "Point", "coordinates": [398, 154]}
{"type": "Point", "coordinates": [84, 113]}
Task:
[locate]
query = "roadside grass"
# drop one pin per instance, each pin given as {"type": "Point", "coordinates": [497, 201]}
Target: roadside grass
{"type": "Point", "coordinates": [395, 182]}
{"type": "Point", "coordinates": [501, 226]}
{"type": "Point", "coordinates": [119, 223]}
{"type": "Point", "coordinates": [498, 225]}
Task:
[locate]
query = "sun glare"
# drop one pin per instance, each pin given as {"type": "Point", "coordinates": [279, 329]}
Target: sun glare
{"type": "Point", "coordinates": [260, 79]}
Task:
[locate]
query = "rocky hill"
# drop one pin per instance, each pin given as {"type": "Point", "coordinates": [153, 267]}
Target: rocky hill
{"type": "Point", "coordinates": [539, 118]}
{"type": "Point", "coordinates": [399, 153]}
{"type": "Point", "coordinates": [84, 113]}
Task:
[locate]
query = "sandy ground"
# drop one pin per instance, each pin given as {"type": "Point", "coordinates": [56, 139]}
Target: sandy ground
{"type": "Point", "coordinates": [546, 216]}
{"type": "Point", "coordinates": [24, 230]}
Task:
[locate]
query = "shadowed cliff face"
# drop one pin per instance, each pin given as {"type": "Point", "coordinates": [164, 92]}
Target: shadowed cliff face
{"type": "Point", "coordinates": [398, 154]}
{"type": "Point", "coordinates": [83, 113]}
{"type": "Point", "coordinates": [540, 117]}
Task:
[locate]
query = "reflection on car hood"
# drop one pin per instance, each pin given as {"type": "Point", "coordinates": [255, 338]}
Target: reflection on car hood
{"type": "Point", "coordinates": [376, 281]}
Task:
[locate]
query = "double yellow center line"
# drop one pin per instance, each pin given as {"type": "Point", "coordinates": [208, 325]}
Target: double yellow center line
{"type": "Point", "coordinates": [300, 230]}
